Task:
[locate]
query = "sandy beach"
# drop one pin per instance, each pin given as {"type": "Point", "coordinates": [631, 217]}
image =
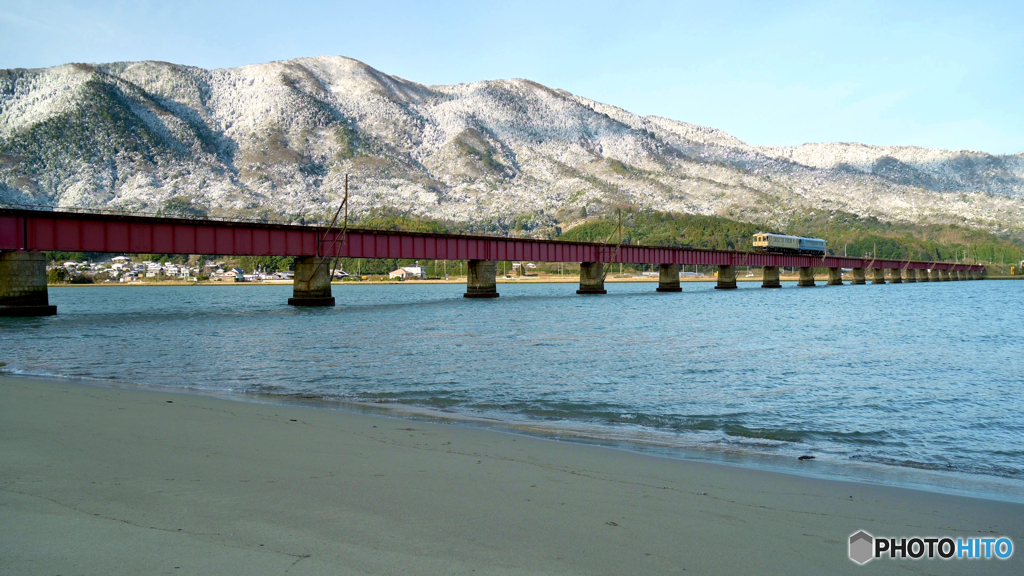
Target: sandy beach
{"type": "Point", "coordinates": [98, 480]}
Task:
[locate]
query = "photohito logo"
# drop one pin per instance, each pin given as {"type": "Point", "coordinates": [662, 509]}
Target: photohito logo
{"type": "Point", "coordinates": [864, 547]}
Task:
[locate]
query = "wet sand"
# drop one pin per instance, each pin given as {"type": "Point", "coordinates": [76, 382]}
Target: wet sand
{"type": "Point", "coordinates": [97, 480]}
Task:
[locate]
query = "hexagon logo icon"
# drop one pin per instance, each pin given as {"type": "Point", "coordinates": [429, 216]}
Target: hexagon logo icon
{"type": "Point", "coordinates": [861, 545]}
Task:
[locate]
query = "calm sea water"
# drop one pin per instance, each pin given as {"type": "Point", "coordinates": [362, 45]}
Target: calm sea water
{"type": "Point", "coordinates": [924, 379]}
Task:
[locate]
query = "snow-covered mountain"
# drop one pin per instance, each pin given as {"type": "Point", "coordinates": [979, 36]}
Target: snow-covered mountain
{"type": "Point", "coordinates": [276, 139]}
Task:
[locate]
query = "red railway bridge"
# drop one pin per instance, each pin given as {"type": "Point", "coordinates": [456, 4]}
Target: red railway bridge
{"type": "Point", "coordinates": [24, 234]}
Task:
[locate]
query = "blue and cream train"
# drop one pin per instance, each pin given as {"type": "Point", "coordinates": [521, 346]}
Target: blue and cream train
{"type": "Point", "coordinates": [782, 244]}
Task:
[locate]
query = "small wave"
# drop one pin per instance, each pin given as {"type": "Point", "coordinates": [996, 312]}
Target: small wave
{"type": "Point", "coordinates": [989, 470]}
{"type": "Point", "coordinates": [780, 434]}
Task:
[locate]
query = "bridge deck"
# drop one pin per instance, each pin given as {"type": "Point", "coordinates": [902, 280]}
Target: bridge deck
{"type": "Point", "coordinates": [87, 232]}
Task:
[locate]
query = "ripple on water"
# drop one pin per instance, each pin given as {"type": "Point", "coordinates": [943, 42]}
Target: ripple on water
{"type": "Point", "coordinates": [915, 377]}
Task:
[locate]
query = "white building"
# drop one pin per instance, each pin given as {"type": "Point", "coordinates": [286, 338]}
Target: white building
{"type": "Point", "coordinates": [415, 272]}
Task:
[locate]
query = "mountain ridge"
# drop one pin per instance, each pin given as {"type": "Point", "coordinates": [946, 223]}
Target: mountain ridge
{"type": "Point", "coordinates": [276, 139]}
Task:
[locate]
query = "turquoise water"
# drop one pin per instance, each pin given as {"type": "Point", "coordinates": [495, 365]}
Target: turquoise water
{"type": "Point", "coordinates": [900, 378]}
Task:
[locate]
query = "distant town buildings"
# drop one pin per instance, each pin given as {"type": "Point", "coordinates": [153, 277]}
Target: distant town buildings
{"type": "Point", "coordinates": [123, 269]}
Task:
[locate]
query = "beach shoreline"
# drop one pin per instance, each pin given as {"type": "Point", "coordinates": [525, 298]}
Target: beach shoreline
{"type": "Point", "coordinates": [94, 475]}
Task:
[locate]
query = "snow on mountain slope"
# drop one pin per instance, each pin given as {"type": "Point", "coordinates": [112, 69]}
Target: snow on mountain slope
{"type": "Point", "coordinates": [276, 139]}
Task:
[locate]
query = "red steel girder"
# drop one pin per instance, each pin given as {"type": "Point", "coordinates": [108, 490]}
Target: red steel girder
{"type": "Point", "coordinates": [83, 232]}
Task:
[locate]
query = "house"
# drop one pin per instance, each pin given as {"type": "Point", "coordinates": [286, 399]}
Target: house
{"type": "Point", "coordinates": [232, 275]}
{"type": "Point", "coordinates": [415, 272]}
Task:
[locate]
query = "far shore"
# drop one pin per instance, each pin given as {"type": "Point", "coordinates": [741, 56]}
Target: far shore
{"type": "Point", "coordinates": [121, 480]}
{"type": "Point", "coordinates": [462, 280]}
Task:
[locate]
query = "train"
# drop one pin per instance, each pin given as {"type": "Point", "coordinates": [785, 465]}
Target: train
{"type": "Point", "coordinates": [783, 244]}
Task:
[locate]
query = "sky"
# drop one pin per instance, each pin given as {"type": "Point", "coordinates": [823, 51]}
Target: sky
{"type": "Point", "coordinates": [932, 74]}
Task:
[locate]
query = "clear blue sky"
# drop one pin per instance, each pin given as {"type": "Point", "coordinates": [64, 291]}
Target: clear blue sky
{"type": "Point", "coordinates": [933, 74]}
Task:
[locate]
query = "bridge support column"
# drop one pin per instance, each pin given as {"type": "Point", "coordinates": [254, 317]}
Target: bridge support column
{"type": "Point", "coordinates": [23, 285]}
{"type": "Point", "coordinates": [481, 279]}
{"type": "Point", "coordinates": [591, 278]}
{"type": "Point", "coordinates": [922, 275]}
{"type": "Point", "coordinates": [877, 276]}
{"type": "Point", "coordinates": [911, 275]}
{"type": "Point", "coordinates": [933, 275]}
{"type": "Point", "coordinates": [944, 275]}
{"type": "Point", "coordinates": [726, 278]}
{"type": "Point", "coordinates": [858, 276]}
{"type": "Point", "coordinates": [895, 276]}
{"type": "Point", "coordinates": [835, 277]}
{"type": "Point", "coordinates": [312, 284]}
{"type": "Point", "coordinates": [770, 278]}
{"type": "Point", "coordinates": [960, 275]}
{"type": "Point", "coordinates": [806, 276]}
{"type": "Point", "coordinates": [668, 278]}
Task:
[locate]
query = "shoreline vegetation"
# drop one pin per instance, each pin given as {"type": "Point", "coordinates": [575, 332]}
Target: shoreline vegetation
{"type": "Point", "coordinates": [92, 474]}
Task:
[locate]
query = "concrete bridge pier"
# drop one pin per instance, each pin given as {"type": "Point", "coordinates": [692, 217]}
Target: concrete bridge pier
{"type": "Point", "coordinates": [877, 276]}
{"type": "Point", "coordinates": [910, 275]}
{"type": "Point", "coordinates": [933, 275]}
{"type": "Point", "coordinates": [668, 278]}
{"type": "Point", "coordinates": [312, 284]}
{"type": "Point", "coordinates": [960, 275]}
{"type": "Point", "coordinates": [858, 276]}
{"type": "Point", "coordinates": [726, 278]}
{"type": "Point", "coordinates": [835, 277]}
{"type": "Point", "coordinates": [806, 277]}
{"type": "Point", "coordinates": [23, 285]}
{"type": "Point", "coordinates": [922, 275]}
{"type": "Point", "coordinates": [481, 279]}
{"type": "Point", "coordinates": [944, 275]}
{"type": "Point", "coordinates": [592, 278]}
{"type": "Point", "coordinates": [770, 278]}
{"type": "Point", "coordinates": [895, 276]}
